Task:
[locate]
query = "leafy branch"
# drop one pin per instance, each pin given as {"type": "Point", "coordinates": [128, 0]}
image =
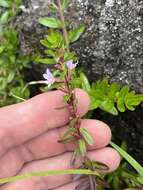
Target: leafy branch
{"type": "Point", "coordinates": [111, 98]}
{"type": "Point", "coordinates": [58, 52]}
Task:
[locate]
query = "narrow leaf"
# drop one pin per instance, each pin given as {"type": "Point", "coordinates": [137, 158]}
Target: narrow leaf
{"type": "Point", "coordinates": [86, 135]}
{"type": "Point", "coordinates": [10, 76]}
{"type": "Point", "coordinates": [94, 103]}
{"type": "Point", "coordinates": [53, 7]}
{"type": "Point", "coordinates": [48, 173]}
{"type": "Point", "coordinates": [99, 165]}
{"type": "Point", "coordinates": [65, 3]}
{"type": "Point", "coordinates": [2, 48]}
{"type": "Point", "coordinates": [128, 158]}
{"type": "Point", "coordinates": [67, 140]}
{"type": "Point", "coordinates": [45, 61]}
{"type": "Point", "coordinates": [121, 105]}
{"type": "Point", "coordinates": [108, 105]}
{"type": "Point", "coordinates": [75, 34]}
{"type": "Point", "coordinates": [4, 17]}
{"type": "Point", "coordinates": [85, 82]}
{"type": "Point", "coordinates": [50, 22]}
{"type": "Point", "coordinates": [82, 147]}
{"type": "Point", "coordinates": [5, 3]}
{"type": "Point", "coordinates": [140, 180]}
{"type": "Point", "coordinates": [17, 97]}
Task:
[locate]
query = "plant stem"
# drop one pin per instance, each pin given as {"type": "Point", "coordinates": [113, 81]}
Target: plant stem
{"type": "Point", "coordinates": [63, 24]}
{"type": "Point", "coordinates": [72, 102]}
{"type": "Point", "coordinates": [69, 89]}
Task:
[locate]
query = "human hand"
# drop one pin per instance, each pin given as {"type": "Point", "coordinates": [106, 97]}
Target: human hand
{"type": "Point", "coordinates": [29, 132]}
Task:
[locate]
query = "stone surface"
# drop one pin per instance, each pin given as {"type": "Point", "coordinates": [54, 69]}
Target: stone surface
{"type": "Point", "coordinates": [112, 47]}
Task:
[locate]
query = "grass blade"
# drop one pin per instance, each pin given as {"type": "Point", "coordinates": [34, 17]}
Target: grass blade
{"type": "Point", "coordinates": [129, 159]}
{"type": "Point", "coordinates": [48, 173]}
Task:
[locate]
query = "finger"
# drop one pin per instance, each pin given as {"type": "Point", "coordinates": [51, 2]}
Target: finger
{"type": "Point", "coordinates": [69, 186]}
{"type": "Point", "coordinates": [99, 131]}
{"type": "Point", "coordinates": [26, 120]}
{"type": "Point", "coordinates": [32, 186]}
{"type": "Point", "coordinates": [107, 156]}
{"type": "Point", "coordinates": [47, 145]}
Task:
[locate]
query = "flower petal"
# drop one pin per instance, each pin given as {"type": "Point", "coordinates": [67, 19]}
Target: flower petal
{"type": "Point", "coordinates": [45, 76]}
{"type": "Point", "coordinates": [49, 77]}
{"type": "Point", "coordinates": [71, 65]}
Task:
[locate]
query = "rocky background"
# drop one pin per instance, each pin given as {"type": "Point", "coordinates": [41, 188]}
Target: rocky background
{"type": "Point", "coordinates": [112, 47]}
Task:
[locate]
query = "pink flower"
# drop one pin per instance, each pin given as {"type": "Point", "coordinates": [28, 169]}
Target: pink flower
{"type": "Point", "coordinates": [49, 77]}
{"type": "Point", "coordinates": [71, 65]}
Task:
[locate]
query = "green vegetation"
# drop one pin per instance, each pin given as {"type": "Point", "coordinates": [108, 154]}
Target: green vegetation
{"type": "Point", "coordinates": [111, 98]}
{"type": "Point", "coordinates": [12, 62]}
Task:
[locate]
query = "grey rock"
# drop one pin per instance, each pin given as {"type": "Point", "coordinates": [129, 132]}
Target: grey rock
{"type": "Point", "coordinates": [112, 45]}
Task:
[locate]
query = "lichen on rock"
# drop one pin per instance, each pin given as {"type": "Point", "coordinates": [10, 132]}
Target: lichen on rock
{"type": "Point", "coordinates": [112, 45]}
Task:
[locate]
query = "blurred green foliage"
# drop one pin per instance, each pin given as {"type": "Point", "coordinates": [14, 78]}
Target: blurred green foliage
{"type": "Point", "coordinates": [111, 98]}
{"type": "Point", "coordinates": [12, 62]}
{"type": "Point", "coordinates": [125, 176]}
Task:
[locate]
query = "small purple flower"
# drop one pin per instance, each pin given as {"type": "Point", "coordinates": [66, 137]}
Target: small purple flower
{"type": "Point", "coordinates": [71, 65]}
{"type": "Point", "coordinates": [49, 77]}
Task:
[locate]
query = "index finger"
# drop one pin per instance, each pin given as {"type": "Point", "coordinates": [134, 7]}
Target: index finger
{"type": "Point", "coordinates": [23, 121]}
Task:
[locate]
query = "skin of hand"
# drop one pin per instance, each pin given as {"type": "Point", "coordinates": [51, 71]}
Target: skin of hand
{"type": "Point", "coordinates": [29, 132]}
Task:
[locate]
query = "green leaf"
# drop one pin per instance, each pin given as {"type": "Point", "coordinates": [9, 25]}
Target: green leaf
{"type": "Point", "coordinates": [45, 43]}
{"type": "Point", "coordinates": [112, 98]}
{"type": "Point", "coordinates": [50, 22]}
{"type": "Point", "coordinates": [48, 173]}
{"type": "Point", "coordinates": [17, 97]}
{"type": "Point", "coordinates": [55, 39]}
{"type": "Point", "coordinates": [121, 98]}
{"type": "Point", "coordinates": [65, 3]}
{"type": "Point", "coordinates": [103, 85]}
{"type": "Point", "coordinates": [5, 3]}
{"type": "Point", "coordinates": [75, 34]}
{"type": "Point", "coordinates": [67, 140]}
{"type": "Point", "coordinates": [94, 104]}
{"type": "Point", "coordinates": [87, 136]}
{"type": "Point", "coordinates": [66, 134]}
{"type": "Point", "coordinates": [10, 76]}
{"type": "Point", "coordinates": [66, 98]}
{"type": "Point", "coordinates": [50, 53]}
{"type": "Point", "coordinates": [85, 83]}
{"type": "Point", "coordinates": [129, 159]}
{"type": "Point", "coordinates": [133, 99]}
{"type": "Point", "coordinates": [72, 125]}
{"type": "Point", "coordinates": [114, 89]}
{"type": "Point", "coordinates": [19, 92]}
{"type": "Point", "coordinates": [124, 91]}
{"type": "Point", "coordinates": [121, 105]}
{"type": "Point", "coordinates": [124, 145]}
{"type": "Point", "coordinates": [4, 17]}
{"type": "Point", "coordinates": [116, 183]}
{"type": "Point", "coordinates": [99, 166]}
{"type": "Point", "coordinates": [45, 60]}
{"type": "Point", "coordinates": [2, 48]}
{"type": "Point", "coordinates": [108, 106]}
{"type": "Point", "coordinates": [140, 180]}
{"type": "Point", "coordinates": [3, 83]}
{"type": "Point", "coordinates": [82, 147]}
{"type": "Point", "coordinates": [53, 7]}
{"type": "Point", "coordinates": [70, 55]}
